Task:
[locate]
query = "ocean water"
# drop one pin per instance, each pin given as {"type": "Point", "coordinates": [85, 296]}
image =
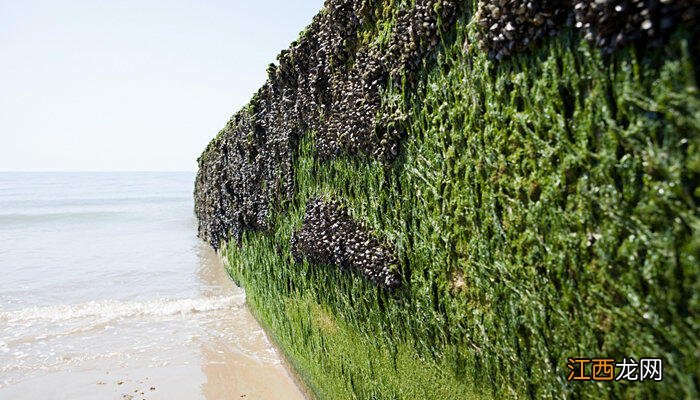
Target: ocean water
{"type": "Point", "coordinates": [106, 292]}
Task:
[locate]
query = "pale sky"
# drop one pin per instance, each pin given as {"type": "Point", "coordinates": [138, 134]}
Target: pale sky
{"type": "Point", "coordinates": [131, 85]}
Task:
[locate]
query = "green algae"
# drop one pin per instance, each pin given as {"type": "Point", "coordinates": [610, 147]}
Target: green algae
{"type": "Point", "coordinates": [541, 208]}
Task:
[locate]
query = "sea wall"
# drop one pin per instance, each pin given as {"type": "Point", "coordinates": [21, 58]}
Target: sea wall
{"type": "Point", "coordinates": [439, 199]}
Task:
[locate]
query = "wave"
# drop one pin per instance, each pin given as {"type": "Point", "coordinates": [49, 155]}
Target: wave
{"type": "Point", "coordinates": [24, 203]}
{"type": "Point", "coordinates": [56, 216]}
{"type": "Point", "coordinates": [111, 309]}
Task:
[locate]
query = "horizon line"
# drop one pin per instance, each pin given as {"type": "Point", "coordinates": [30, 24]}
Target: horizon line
{"type": "Point", "coordinates": [95, 170]}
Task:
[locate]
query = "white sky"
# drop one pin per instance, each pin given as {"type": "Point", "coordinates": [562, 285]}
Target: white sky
{"type": "Point", "coordinates": [131, 85]}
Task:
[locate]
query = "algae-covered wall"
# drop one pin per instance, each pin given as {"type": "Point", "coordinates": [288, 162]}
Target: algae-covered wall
{"type": "Point", "coordinates": [445, 200]}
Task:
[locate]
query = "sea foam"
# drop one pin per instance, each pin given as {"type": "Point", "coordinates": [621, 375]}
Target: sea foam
{"type": "Point", "coordinates": [112, 309]}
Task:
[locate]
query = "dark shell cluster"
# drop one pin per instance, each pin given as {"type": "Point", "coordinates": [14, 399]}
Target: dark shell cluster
{"type": "Point", "coordinates": [240, 173]}
{"type": "Point", "coordinates": [351, 119]}
{"type": "Point", "coordinates": [330, 236]}
{"type": "Point", "coordinates": [510, 26]}
{"type": "Point", "coordinates": [611, 24]}
{"type": "Point", "coordinates": [333, 82]}
{"type": "Point", "coordinates": [328, 84]}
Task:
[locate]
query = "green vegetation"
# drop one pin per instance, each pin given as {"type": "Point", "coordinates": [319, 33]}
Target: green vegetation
{"type": "Point", "coordinates": [542, 208]}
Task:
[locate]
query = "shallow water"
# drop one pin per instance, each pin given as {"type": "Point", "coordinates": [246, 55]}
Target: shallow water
{"type": "Point", "coordinates": [107, 293]}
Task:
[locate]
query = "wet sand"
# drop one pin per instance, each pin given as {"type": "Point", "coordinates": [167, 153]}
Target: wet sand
{"type": "Point", "coordinates": [232, 372]}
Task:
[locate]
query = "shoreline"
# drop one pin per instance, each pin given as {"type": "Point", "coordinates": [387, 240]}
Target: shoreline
{"type": "Point", "coordinates": [294, 372]}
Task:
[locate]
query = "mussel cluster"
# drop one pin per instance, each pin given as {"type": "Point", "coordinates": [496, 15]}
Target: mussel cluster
{"type": "Point", "coordinates": [330, 236]}
{"type": "Point", "coordinates": [328, 84]}
{"type": "Point", "coordinates": [611, 24]}
{"type": "Point", "coordinates": [353, 121]}
{"type": "Point", "coordinates": [245, 168]}
{"type": "Point", "coordinates": [510, 26]}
